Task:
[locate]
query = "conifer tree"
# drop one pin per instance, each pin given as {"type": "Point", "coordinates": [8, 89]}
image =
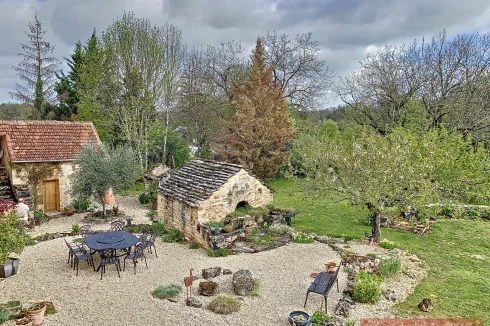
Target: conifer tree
{"type": "Point", "coordinates": [37, 69]}
{"type": "Point", "coordinates": [261, 128]}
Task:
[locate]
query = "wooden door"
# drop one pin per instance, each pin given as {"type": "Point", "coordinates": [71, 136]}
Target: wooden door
{"type": "Point", "coordinates": [51, 196]}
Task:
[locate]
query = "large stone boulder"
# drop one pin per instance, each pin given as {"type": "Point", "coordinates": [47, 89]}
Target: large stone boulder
{"type": "Point", "coordinates": [242, 282]}
{"type": "Point", "coordinates": [208, 273]}
{"type": "Point", "coordinates": [193, 302]}
{"type": "Point", "coordinates": [208, 288]}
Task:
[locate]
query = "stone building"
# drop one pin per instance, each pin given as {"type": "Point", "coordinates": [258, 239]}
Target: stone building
{"type": "Point", "coordinates": [204, 191]}
{"type": "Point", "coordinates": [42, 147]}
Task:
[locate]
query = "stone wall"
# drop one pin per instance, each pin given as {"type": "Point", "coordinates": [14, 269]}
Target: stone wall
{"type": "Point", "coordinates": [20, 187]}
{"type": "Point", "coordinates": [240, 187]}
{"type": "Point", "coordinates": [177, 215]}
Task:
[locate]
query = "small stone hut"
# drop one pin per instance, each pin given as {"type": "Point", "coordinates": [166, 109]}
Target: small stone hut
{"type": "Point", "coordinates": [26, 146]}
{"type": "Point", "coordinates": [206, 190]}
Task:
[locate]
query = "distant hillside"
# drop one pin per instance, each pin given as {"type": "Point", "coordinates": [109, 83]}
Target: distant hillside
{"type": "Point", "coordinates": [14, 111]}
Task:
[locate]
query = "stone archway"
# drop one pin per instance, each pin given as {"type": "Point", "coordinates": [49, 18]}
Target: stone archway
{"type": "Point", "coordinates": [242, 204]}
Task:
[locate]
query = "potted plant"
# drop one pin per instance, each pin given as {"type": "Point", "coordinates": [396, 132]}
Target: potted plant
{"type": "Point", "coordinates": [4, 316]}
{"type": "Point", "coordinates": [24, 321]}
{"type": "Point", "coordinates": [227, 228]}
{"type": "Point", "coordinates": [12, 240]}
{"type": "Point", "coordinates": [36, 313]}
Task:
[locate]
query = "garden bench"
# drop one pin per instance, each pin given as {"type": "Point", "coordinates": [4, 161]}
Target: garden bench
{"type": "Point", "coordinates": [322, 284]}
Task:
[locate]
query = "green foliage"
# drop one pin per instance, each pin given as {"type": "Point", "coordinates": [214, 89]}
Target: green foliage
{"type": "Point", "coordinates": [101, 167]}
{"type": "Point", "coordinates": [153, 191]}
{"type": "Point", "coordinates": [136, 189]}
{"type": "Point", "coordinates": [169, 291]}
{"type": "Point", "coordinates": [255, 290]}
{"type": "Point", "coordinates": [367, 287]}
{"type": "Point", "coordinates": [471, 214]}
{"type": "Point", "coordinates": [250, 211]}
{"type": "Point", "coordinates": [143, 198]}
{"type": "Point", "coordinates": [302, 237]}
{"type": "Point", "coordinates": [158, 229]}
{"type": "Point", "coordinates": [387, 244]}
{"type": "Point", "coordinates": [388, 267]}
{"type": "Point", "coordinates": [224, 305]}
{"type": "Point", "coordinates": [194, 245]}
{"type": "Point", "coordinates": [350, 323]}
{"type": "Point", "coordinates": [4, 315]}
{"type": "Point", "coordinates": [448, 211]}
{"type": "Point", "coordinates": [173, 235]}
{"type": "Point", "coordinates": [177, 149]}
{"type": "Point", "coordinates": [12, 239]}
{"type": "Point", "coordinates": [319, 317]}
{"type": "Point", "coordinates": [81, 204]}
{"type": "Point", "coordinates": [220, 252]}
{"type": "Point", "coordinates": [152, 214]}
{"type": "Point", "coordinates": [215, 224]}
{"type": "Point", "coordinates": [75, 228]}
{"type": "Point", "coordinates": [371, 255]}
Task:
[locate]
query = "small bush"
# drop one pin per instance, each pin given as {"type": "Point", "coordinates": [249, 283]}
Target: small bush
{"type": "Point", "coordinates": [81, 205]}
{"type": "Point", "coordinates": [319, 317]}
{"type": "Point", "coordinates": [471, 214]}
{"type": "Point", "coordinates": [278, 229]}
{"type": "Point", "coordinates": [215, 224]}
{"type": "Point", "coordinates": [194, 245]}
{"type": "Point", "coordinates": [301, 237]}
{"type": "Point", "coordinates": [350, 323]}
{"type": "Point", "coordinates": [388, 267]}
{"type": "Point", "coordinates": [371, 255]}
{"type": "Point", "coordinates": [144, 198]}
{"type": "Point", "coordinates": [367, 287]}
{"type": "Point", "coordinates": [4, 315]}
{"type": "Point", "coordinates": [158, 229]}
{"type": "Point", "coordinates": [448, 212]}
{"type": "Point", "coordinates": [169, 291]}
{"type": "Point", "coordinates": [173, 235]}
{"type": "Point", "coordinates": [255, 289]}
{"type": "Point", "coordinates": [152, 191]}
{"type": "Point", "coordinates": [224, 305]}
{"type": "Point", "coordinates": [75, 228]}
{"type": "Point", "coordinates": [387, 244]}
{"type": "Point", "coordinates": [221, 252]}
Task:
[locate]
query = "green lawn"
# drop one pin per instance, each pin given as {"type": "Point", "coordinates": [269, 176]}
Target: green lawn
{"type": "Point", "coordinates": [458, 284]}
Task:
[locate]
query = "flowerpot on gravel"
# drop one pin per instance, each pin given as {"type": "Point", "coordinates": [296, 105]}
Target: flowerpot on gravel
{"type": "Point", "coordinates": [6, 269]}
{"type": "Point", "coordinates": [15, 265]}
{"type": "Point", "coordinates": [36, 313]}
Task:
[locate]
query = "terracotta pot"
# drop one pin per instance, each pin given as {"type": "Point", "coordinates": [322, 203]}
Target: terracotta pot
{"type": "Point", "coordinates": [330, 267]}
{"type": "Point", "coordinates": [37, 315]}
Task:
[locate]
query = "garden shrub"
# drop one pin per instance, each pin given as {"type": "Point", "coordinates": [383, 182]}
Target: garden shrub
{"type": "Point", "coordinates": [301, 237]}
{"type": "Point", "coordinates": [388, 267]}
{"type": "Point", "coordinates": [144, 199]}
{"type": "Point", "coordinates": [158, 229]}
{"type": "Point", "coordinates": [194, 245]}
{"type": "Point", "coordinates": [471, 214]}
{"type": "Point", "coordinates": [81, 205]}
{"type": "Point", "coordinates": [447, 211]}
{"type": "Point", "coordinates": [152, 191]}
{"type": "Point", "coordinates": [224, 305]}
{"type": "Point", "coordinates": [4, 315]}
{"type": "Point", "coordinates": [12, 239]}
{"type": "Point", "coordinates": [220, 252]}
{"type": "Point", "coordinates": [169, 291]}
{"type": "Point", "coordinates": [485, 214]}
{"type": "Point", "coordinates": [319, 317]}
{"type": "Point", "coordinates": [278, 229]}
{"type": "Point", "coordinates": [75, 228]}
{"type": "Point", "coordinates": [367, 287]}
{"type": "Point", "coordinates": [173, 235]}
{"type": "Point", "coordinates": [387, 244]}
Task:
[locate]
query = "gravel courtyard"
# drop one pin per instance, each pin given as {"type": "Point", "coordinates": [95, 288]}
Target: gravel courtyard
{"type": "Point", "coordinates": [44, 275]}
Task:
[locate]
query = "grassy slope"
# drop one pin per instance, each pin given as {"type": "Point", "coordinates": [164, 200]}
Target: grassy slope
{"type": "Point", "coordinates": [458, 284]}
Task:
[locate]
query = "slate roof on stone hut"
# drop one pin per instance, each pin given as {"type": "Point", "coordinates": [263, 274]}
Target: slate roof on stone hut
{"type": "Point", "coordinates": [199, 179]}
{"type": "Point", "coordinates": [46, 141]}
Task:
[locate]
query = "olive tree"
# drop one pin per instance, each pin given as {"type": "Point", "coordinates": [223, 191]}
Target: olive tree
{"type": "Point", "coordinates": [370, 170]}
{"type": "Point", "coordinates": [100, 167]}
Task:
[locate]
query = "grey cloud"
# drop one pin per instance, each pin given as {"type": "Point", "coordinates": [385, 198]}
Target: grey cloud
{"type": "Point", "coordinates": [343, 28]}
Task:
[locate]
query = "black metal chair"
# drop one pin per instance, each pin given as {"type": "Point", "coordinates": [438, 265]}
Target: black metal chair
{"type": "Point", "coordinates": [109, 257]}
{"type": "Point", "coordinates": [137, 253]}
{"type": "Point", "coordinates": [73, 249]}
{"type": "Point", "coordinates": [148, 241]}
{"type": "Point", "coordinates": [322, 284]}
{"type": "Point", "coordinates": [117, 225]}
{"type": "Point", "coordinates": [81, 256]}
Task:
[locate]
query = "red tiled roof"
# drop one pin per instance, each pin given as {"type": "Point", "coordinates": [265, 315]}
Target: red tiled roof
{"type": "Point", "coordinates": [46, 141]}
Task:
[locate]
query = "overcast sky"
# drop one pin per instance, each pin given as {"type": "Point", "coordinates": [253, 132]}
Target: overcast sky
{"type": "Point", "coordinates": [345, 29]}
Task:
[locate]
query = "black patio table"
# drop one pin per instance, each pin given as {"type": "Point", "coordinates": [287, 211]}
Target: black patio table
{"type": "Point", "coordinates": [116, 240]}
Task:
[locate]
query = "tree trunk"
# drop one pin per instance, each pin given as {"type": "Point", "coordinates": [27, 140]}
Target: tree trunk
{"type": "Point", "coordinates": [375, 227]}
{"type": "Point", "coordinates": [103, 205]}
{"type": "Point", "coordinates": [375, 223]}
